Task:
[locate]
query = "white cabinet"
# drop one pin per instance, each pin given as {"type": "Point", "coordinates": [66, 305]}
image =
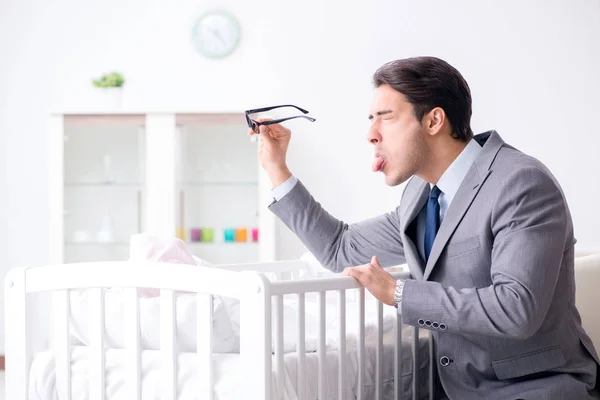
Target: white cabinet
{"type": "Point", "coordinates": [191, 175]}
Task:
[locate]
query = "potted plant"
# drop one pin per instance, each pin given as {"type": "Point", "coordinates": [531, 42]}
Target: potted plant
{"type": "Point", "coordinates": [110, 85]}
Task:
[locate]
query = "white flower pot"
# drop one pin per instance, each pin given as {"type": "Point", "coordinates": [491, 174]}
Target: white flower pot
{"type": "Point", "coordinates": [110, 98]}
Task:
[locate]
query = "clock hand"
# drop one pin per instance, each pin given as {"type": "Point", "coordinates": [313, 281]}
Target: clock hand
{"type": "Point", "coordinates": [218, 35]}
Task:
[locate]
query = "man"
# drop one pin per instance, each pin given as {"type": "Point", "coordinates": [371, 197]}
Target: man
{"type": "Point", "coordinates": [485, 230]}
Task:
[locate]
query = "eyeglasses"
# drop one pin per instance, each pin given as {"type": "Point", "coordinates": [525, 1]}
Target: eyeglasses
{"type": "Point", "coordinates": [255, 125]}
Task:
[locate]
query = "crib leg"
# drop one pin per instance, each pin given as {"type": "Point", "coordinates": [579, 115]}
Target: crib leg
{"type": "Point", "coordinates": [17, 351]}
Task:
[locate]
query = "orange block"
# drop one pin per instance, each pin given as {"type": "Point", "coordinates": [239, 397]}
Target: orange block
{"type": "Point", "coordinates": [241, 235]}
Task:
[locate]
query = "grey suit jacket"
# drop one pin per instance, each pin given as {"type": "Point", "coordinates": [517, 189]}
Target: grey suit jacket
{"type": "Point", "coordinates": [498, 290]}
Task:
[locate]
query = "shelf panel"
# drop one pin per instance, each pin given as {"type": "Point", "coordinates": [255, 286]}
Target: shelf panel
{"type": "Point", "coordinates": [95, 243]}
{"type": "Point", "coordinates": [108, 119]}
{"type": "Point", "coordinates": [196, 119]}
{"type": "Point", "coordinates": [216, 183]}
{"type": "Point", "coordinates": [104, 184]}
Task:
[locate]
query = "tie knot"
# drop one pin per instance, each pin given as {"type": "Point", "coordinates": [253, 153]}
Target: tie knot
{"type": "Point", "coordinates": [435, 193]}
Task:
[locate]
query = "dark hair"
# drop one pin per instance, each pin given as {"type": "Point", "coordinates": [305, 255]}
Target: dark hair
{"type": "Point", "coordinates": [428, 82]}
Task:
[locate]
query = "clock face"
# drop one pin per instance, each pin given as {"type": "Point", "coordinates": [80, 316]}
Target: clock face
{"type": "Point", "coordinates": [216, 34]}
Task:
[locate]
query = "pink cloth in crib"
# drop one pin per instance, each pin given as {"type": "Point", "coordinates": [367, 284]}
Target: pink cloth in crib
{"type": "Point", "coordinates": [143, 247]}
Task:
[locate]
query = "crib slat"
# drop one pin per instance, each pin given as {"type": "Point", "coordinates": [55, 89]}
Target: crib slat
{"type": "Point", "coordinates": [97, 360]}
{"type": "Point", "coordinates": [415, 363]}
{"type": "Point", "coordinates": [255, 341]}
{"type": "Point", "coordinates": [62, 353]}
{"type": "Point", "coordinates": [167, 344]}
{"type": "Point", "coordinates": [321, 348]}
{"type": "Point", "coordinates": [398, 384]}
{"type": "Point", "coordinates": [278, 314]}
{"type": "Point", "coordinates": [432, 376]}
{"type": "Point", "coordinates": [204, 333]}
{"type": "Point", "coordinates": [342, 345]}
{"type": "Point", "coordinates": [301, 347]}
{"type": "Point", "coordinates": [379, 354]}
{"type": "Point", "coordinates": [132, 343]}
{"type": "Point", "coordinates": [361, 344]}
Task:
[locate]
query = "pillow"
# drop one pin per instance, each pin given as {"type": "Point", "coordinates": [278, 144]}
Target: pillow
{"type": "Point", "coordinates": [145, 247]}
{"type": "Point", "coordinates": [224, 340]}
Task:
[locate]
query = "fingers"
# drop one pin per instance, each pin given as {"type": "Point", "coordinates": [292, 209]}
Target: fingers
{"type": "Point", "coordinates": [375, 262]}
{"type": "Point", "coordinates": [251, 132]}
{"type": "Point", "coordinates": [274, 131]}
{"type": "Point", "coordinates": [355, 272]}
{"type": "Point", "coordinates": [265, 133]}
{"type": "Point", "coordinates": [374, 278]}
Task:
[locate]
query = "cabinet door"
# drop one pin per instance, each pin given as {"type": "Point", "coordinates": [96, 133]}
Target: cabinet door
{"type": "Point", "coordinates": [218, 188]}
{"type": "Point", "coordinates": [102, 185]}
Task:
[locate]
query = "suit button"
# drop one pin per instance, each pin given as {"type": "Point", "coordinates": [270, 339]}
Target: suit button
{"type": "Point", "coordinates": [435, 325]}
{"type": "Point", "coordinates": [443, 327]}
{"type": "Point", "coordinates": [445, 361]}
{"type": "Point", "coordinates": [421, 322]}
{"type": "Point", "coordinates": [428, 323]}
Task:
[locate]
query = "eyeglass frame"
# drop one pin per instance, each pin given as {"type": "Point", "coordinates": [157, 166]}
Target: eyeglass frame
{"type": "Point", "coordinates": [255, 125]}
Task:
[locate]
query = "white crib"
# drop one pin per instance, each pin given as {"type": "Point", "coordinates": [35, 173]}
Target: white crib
{"type": "Point", "coordinates": [260, 288]}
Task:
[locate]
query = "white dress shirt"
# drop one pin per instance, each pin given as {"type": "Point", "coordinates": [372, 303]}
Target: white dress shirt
{"type": "Point", "coordinates": [284, 188]}
{"type": "Point", "coordinates": [451, 179]}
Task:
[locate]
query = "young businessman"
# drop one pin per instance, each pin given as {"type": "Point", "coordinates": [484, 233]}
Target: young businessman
{"type": "Point", "coordinates": [484, 228]}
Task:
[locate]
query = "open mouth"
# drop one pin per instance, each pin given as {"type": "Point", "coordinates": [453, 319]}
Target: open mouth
{"type": "Point", "coordinates": [378, 164]}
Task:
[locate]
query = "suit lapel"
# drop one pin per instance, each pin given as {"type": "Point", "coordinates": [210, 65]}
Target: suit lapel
{"type": "Point", "coordinates": [460, 204]}
{"type": "Point", "coordinates": [413, 259]}
{"type": "Point", "coordinates": [478, 173]}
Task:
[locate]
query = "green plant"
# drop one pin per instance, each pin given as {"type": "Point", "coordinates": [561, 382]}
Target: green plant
{"type": "Point", "coordinates": [113, 79]}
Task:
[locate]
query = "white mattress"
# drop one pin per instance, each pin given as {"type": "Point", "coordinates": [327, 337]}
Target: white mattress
{"type": "Point", "coordinates": [228, 369]}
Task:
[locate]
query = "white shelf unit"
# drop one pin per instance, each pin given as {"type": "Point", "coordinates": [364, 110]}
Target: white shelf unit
{"type": "Point", "coordinates": [112, 175]}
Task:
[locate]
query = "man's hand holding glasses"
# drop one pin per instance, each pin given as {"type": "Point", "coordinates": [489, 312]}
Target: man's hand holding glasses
{"type": "Point", "coordinates": [274, 141]}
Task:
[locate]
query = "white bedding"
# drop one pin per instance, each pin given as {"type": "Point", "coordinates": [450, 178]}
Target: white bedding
{"type": "Point", "coordinates": [228, 369]}
{"type": "Point", "coordinates": [225, 321]}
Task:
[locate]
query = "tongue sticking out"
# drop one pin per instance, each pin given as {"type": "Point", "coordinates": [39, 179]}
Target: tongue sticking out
{"type": "Point", "coordinates": [378, 164]}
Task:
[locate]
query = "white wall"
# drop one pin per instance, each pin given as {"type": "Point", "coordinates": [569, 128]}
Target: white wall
{"type": "Point", "coordinates": [533, 68]}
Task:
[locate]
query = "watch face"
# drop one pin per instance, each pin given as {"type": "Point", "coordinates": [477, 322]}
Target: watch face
{"type": "Point", "coordinates": [216, 34]}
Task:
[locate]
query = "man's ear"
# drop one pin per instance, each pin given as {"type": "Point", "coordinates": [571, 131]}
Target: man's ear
{"type": "Point", "coordinates": [435, 120]}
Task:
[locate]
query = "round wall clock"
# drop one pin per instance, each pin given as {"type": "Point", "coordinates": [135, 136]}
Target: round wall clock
{"type": "Point", "coordinates": [216, 34]}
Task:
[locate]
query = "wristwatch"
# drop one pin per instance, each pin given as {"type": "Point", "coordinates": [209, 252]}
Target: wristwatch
{"type": "Point", "coordinates": [398, 292]}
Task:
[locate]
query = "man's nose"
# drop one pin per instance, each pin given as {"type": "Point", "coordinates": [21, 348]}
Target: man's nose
{"type": "Point", "coordinates": [373, 137]}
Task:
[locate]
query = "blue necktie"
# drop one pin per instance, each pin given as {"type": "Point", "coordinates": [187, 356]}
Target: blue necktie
{"type": "Point", "coordinates": [433, 220]}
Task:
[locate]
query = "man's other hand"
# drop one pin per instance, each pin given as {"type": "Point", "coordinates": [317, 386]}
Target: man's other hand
{"type": "Point", "coordinates": [377, 281]}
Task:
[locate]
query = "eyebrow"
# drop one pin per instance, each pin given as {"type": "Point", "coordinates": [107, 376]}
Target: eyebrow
{"type": "Point", "coordinates": [379, 113]}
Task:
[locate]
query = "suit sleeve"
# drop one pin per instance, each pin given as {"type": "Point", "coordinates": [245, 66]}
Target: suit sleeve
{"type": "Point", "coordinates": [334, 243]}
{"type": "Point", "coordinates": [529, 224]}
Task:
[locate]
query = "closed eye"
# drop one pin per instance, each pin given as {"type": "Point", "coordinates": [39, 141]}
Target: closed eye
{"type": "Point", "coordinates": [380, 113]}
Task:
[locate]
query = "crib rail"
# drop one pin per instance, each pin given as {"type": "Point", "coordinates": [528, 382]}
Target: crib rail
{"type": "Point", "coordinates": [261, 304]}
{"type": "Point", "coordinates": [188, 278]}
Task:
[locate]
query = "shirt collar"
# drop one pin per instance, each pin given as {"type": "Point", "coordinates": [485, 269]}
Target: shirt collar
{"type": "Point", "coordinates": [451, 179]}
